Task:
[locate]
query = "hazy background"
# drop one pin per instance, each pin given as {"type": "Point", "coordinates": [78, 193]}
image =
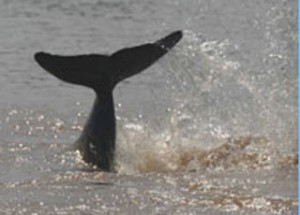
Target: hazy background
{"type": "Point", "coordinates": [211, 128]}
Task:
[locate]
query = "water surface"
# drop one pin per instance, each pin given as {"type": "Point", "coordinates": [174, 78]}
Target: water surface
{"type": "Point", "coordinates": [209, 129]}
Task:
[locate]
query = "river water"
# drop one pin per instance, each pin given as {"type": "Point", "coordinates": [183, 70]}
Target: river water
{"type": "Point", "coordinates": [209, 129]}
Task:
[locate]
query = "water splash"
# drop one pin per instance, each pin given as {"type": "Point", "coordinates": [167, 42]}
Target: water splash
{"type": "Point", "coordinates": [221, 117]}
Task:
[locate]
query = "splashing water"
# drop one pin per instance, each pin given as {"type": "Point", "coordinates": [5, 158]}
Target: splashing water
{"type": "Point", "coordinates": [220, 116]}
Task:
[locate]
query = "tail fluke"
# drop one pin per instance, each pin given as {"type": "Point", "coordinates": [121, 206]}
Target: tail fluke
{"type": "Point", "coordinates": [170, 40]}
{"type": "Point", "coordinates": [87, 70]}
{"type": "Point", "coordinates": [103, 72]}
{"type": "Point", "coordinates": [130, 61]}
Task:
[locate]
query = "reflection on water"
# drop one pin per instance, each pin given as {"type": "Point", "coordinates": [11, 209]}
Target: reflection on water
{"type": "Point", "coordinates": [209, 129]}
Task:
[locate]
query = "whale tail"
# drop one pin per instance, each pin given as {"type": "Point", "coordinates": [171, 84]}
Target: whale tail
{"type": "Point", "coordinates": [102, 73]}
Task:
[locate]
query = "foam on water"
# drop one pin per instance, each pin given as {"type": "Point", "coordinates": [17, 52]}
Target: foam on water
{"type": "Point", "coordinates": [209, 129]}
{"type": "Point", "coordinates": [219, 116]}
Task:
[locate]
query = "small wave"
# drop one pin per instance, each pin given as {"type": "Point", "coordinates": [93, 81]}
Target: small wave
{"type": "Point", "coordinates": [243, 153]}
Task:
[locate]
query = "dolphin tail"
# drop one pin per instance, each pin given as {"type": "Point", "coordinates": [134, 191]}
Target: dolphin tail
{"type": "Point", "coordinates": [130, 61]}
{"type": "Point", "coordinates": [103, 72]}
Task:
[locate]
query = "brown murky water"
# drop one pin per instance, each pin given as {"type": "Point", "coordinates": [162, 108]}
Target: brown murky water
{"type": "Point", "coordinates": [209, 129]}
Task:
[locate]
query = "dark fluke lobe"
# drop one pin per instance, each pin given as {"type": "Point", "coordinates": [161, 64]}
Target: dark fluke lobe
{"type": "Point", "coordinates": [102, 73]}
